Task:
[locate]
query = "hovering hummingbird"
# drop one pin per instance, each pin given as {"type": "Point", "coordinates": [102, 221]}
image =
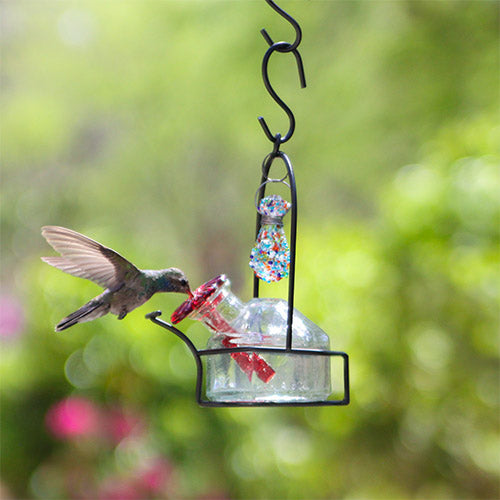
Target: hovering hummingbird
{"type": "Point", "coordinates": [126, 286]}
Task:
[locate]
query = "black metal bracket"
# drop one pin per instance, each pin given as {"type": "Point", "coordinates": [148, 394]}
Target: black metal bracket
{"type": "Point", "coordinates": [266, 165]}
{"type": "Point", "coordinates": [199, 354]}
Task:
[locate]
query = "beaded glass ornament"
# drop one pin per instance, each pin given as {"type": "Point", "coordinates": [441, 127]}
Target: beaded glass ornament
{"type": "Point", "coordinates": [270, 257]}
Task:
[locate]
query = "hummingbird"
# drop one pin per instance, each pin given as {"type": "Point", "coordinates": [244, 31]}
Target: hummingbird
{"type": "Point", "coordinates": [126, 286]}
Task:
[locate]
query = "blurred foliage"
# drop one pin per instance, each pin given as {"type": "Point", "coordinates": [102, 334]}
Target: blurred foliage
{"type": "Point", "coordinates": [135, 123]}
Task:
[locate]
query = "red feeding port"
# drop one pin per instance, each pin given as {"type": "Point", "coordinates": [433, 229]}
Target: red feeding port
{"type": "Point", "coordinates": [249, 362]}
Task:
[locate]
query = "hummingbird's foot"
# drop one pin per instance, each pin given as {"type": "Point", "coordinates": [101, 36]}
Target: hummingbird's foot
{"type": "Point", "coordinates": [122, 314]}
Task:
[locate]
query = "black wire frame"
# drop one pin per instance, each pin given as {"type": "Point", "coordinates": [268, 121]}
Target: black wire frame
{"type": "Point", "coordinates": [199, 354]}
{"type": "Point", "coordinates": [266, 166]}
{"type": "Point", "coordinates": [289, 349]}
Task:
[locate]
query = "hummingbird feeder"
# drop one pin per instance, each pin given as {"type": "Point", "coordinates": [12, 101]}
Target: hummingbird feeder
{"type": "Point", "coordinates": [263, 352]}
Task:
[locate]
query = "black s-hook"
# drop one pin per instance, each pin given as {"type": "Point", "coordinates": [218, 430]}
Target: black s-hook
{"type": "Point", "coordinates": [281, 47]}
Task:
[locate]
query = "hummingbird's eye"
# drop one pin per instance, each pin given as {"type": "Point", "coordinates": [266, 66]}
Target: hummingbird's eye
{"type": "Point", "coordinates": [183, 282]}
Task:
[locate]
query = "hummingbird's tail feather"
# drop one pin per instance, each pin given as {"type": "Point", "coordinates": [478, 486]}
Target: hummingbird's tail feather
{"type": "Point", "coordinates": [91, 310]}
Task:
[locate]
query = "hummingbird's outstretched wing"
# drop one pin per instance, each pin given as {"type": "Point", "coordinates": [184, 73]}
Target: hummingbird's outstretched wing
{"type": "Point", "coordinates": [86, 258]}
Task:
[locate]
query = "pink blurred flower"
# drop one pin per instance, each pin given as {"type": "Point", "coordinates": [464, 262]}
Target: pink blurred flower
{"type": "Point", "coordinates": [11, 317]}
{"type": "Point", "coordinates": [121, 423]}
{"type": "Point", "coordinates": [156, 475]}
{"type": "Point", "coordinates": [119, 489]}
{"type": "Point", "coordinates": [73, 417]}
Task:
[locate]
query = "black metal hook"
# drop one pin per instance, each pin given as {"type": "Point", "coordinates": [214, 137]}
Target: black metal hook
{"type": "Point", "coordinates": [281, 47]}
{"type": "Point", "coordinates": [291, 20]}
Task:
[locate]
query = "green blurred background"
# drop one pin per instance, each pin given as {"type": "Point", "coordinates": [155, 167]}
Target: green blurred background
{"type": "Point", "coordinates": [136, 123]}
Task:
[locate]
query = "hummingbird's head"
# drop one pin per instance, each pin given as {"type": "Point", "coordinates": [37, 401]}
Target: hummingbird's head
{"type": "Point", "coordinates": [176, 281]}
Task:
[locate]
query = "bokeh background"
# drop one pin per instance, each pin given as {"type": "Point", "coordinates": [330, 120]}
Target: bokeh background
{"type": "Point", "coordinates": [136, 123]}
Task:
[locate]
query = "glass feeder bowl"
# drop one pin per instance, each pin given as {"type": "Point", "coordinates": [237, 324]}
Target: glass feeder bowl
{"type": "Point", "coordinates": [250, 358]}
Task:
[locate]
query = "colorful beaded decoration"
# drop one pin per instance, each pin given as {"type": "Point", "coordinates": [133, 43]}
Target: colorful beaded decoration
{"type": "Point", "coordinates": [270, 257]}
